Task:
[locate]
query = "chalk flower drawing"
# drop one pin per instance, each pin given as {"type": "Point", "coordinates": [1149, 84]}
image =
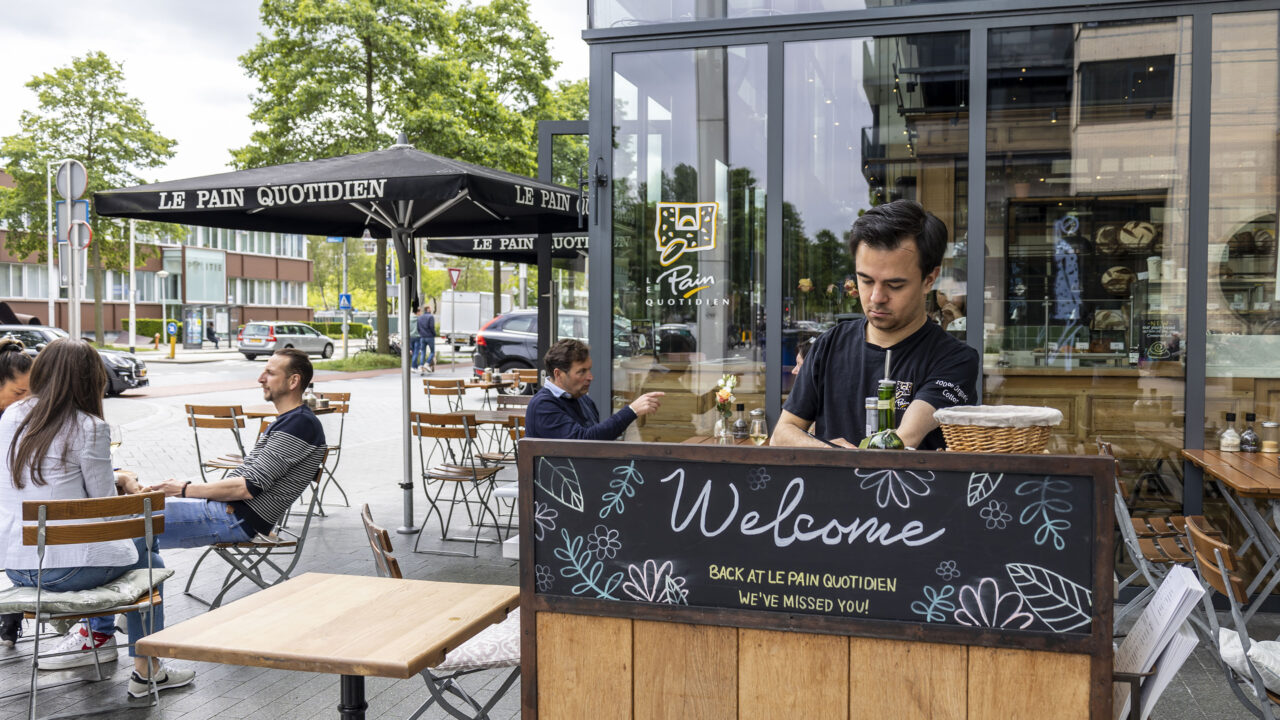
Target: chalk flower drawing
{"type": "Point", "coordinates": [560, 482]}
{"type": "Point", "coordinates": [591, 574]}
{"type": "Point", "coordinates": [996, 514]}
{"type": "Point", "coordinates": [894, 486]}
{"type": "Point", "coordinates": [655, 583]}
{"type": "Point", "coordinates": [623, 486]}
{"type": "Point", "coordinates": [984, 606]}
{"type": "Point", "coordinates": [948, 570]}
{"type": "Point", "coordinates": [1061, 604]}
{"type": "Point", "coordinates": [758, 478]}
{"type": "Point", "coordinates": [1044, 507]}
{"type": "Point", "coordinates": [936, 604]}
{"type": "Point", "coordinates": [981, 485]}
{"type": "Point", "coordinates": [603, 542]}
{"type": "Point", "coordinates": [543, 577]}
{"type": "Point", "coordinates": [544, 519]}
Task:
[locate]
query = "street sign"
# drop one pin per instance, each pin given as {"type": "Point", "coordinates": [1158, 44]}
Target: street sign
{"type": "Point", "coordinates": [335, 239]}
{"type": "Point", "coordinates": [60, 222]}
{"type": "Point", "coordinates": [454, 274]}
{"type": "Point", "coordinates": [80, 234]}
{"type": "Point", "coordinates": [344, 301]}
{"type": "Point", "coordinates": [72, 179]}
{"type": "Point", "coordinates": [173, 328]}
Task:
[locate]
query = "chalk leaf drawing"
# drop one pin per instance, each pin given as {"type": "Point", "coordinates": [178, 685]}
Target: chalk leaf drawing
{"type": "Point", "coordinates": [936, 603]}
{"type": "Point", "coordinates": [1061, 604]}
{"type": "Point", "coordinates": [1044, 507]}
{"type": "Point", "coordinates": [544, 519]}
{"type": "Point", "coordinates": [981, 485]}
{"type": "Point", "coordinates": [984, 606]}
{"type": "Point", "coordinates": [895, 486]}
{"type": "Point", "coordinates": [590, 574]}
{"type": "Point", "coordinates": [996, 514]}
{"type": "Point", "coordinates": [622, 486]}
{"type": "Point", "coordinates": [758, 479]}
{"type": "Point", "coordinates": [948, 570]}
{"type": "Point", "coordinates": [543, 577]}
{"type": "Point", "coordinates": [656, 583]}
{"type": "Point", "coordinates": [560, 482]}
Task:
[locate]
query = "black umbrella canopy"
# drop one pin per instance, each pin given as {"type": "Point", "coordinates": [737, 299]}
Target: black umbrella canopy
{"type": "Point", "coordinates": [399, 189]}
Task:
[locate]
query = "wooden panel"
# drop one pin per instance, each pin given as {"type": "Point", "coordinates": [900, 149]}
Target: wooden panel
{"type": "Point", "coordinates": [1027, 684]}
{"type": "Point", "coordinates": [584, 667]}
{"type": "Point", "coordinates": [792, 675]}
{"type": "Point", "coordinates": [685, 671]}
{"type": "Point", "coordinates": [905, 680]}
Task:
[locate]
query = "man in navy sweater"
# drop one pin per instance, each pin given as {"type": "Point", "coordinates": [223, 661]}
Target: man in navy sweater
{"type": "Point", "coordinates": [562, 409]}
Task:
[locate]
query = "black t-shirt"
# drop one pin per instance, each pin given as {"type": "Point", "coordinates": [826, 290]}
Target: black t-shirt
{"type": "Point", "coordinates": [842, 369]}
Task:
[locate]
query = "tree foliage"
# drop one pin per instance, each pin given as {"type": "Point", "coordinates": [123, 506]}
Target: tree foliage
{"type": "Point", "coordinates": [82, 112]}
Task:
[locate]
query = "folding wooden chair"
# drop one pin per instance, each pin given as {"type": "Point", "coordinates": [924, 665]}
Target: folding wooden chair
{"type": "Point", "coordinates": [527, 381]}
{"type": "Point", "coordinates": [451, 391]}
{"type": "Point", "coordinates": [1218, 565]}
{"type": "Point", "coordinates": [340, 404]}
{"type": "Point", "coordinates": [217, 417]}
{"type": "Point", "coordinates": [263, 560]}
{"type": "Point", "coordinates": [451, 439]}
{"type": "Point", "coordinates": [85, 521]}
{"type": "Point", "coordinates": [498, 646]}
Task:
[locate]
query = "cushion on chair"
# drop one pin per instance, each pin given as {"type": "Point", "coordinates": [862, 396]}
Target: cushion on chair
{"type": "Point", "coordinates": [494, 647]}
{"type": "Point", "coordinates": [1264, 654]}
{"type": "Point", "coordinates": [122, 591]}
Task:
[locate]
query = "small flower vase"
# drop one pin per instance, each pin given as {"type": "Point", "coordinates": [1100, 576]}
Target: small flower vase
{"type": "Point", "coordinates": [724, 429]}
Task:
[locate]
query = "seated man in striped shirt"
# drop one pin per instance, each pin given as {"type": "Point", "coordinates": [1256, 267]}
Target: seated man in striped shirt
{"type": "Point", "coordinates": [256, 495]}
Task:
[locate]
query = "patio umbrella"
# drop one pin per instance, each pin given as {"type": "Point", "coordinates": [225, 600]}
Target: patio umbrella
{"type": "Point", "coordinates": [398, 193]}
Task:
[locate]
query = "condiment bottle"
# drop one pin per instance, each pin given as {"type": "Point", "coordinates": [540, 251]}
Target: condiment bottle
{"type": "Point", "coordinates": [309, 397]}
{"type": "Point", "coordinates": [872, 417]}
{"type": "Point", "coordinates": [1249, 441]}
{"type": "Point", "coordinates": [1229, 439]}
{"type": "Point", "coordinates": [1270, 436]}
{"type": "Point", "coordinates": [886, 436]}
{"type": "Point", "coordinates": [740, 423]}
{"type": "Point", "coordinates": [759, 430]}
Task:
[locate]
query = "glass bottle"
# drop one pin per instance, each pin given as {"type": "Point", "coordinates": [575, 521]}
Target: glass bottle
{"type": "Point", "coordinates": [886, 436]}
{"type": "Point", "coordinates": [759, 430]}
{"type": "Point", "coordinates": [740, 423]}
{"type": "Point", "coordinates": [309, 397]}
{"type": "Point", "coordinates": [1249, 440]}
{"type": "Point", "coordinates": [1229, 439]}
{"type": "Point", "coordinates": [1270, 436]}
{"type": "Point", "coordinates": [873, 417]}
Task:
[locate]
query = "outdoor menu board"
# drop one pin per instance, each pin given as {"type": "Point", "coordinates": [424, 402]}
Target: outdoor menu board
{"type": "Point", "coordinates": [978, 548]}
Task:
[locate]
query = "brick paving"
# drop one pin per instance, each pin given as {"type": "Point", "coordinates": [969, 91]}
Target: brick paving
{"type": "Point", "coordinates": [158, 444]}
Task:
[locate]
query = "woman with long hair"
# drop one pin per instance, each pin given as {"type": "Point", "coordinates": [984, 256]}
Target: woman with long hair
{"type": "Point", "coordinates": [15, 367]}
{"type": "Point", "coordinates": [56, 446]}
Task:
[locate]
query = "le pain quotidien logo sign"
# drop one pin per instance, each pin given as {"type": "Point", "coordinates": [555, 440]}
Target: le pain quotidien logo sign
{"type": "Point", "coordinates": [335, 191]}
{"type": "Point", "coordinates": [681, 230]}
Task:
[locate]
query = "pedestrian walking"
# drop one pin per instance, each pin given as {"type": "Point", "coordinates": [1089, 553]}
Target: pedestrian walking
{"type": "Point", "coordinates": [416, 356]}
{"type": "Point", "coordinates": [427, 335]}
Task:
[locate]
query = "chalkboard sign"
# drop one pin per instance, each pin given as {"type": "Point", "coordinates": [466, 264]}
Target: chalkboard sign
{"type": "Point", "coordinates": [1012, 551]}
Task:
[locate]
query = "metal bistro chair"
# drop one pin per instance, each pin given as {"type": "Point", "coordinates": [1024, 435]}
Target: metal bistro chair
{"type": "Point", "coordinates": [452, 392]}
{"type": "Point", "coordinates": [340, 405]}
{"type": "Point", "coordinates": [1218, 565]}
{"type": "Point", "coordinates": [277, 553]}
{"type": "Point", "coordinates": [451, 461]}
{"type": "Point", "coordinates": [217, 417]}
{"type": "Point", "coordinates": [497, 646]}
{"type": "Point", "coordinates": [84, 521]}
{"type": "Point", "coordinates": [508, 494]}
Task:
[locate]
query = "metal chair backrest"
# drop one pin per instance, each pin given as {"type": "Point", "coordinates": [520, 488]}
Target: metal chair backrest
{"type": "Point", "coordinates": [380, 543]}
{"type": "Point", "coordinates": [453, 436]}
{"type": "Point", "coordinates": [451, 390]}
{"type": "Point", "coordinates": [215, 417]}
{"type": "Point", "coordinates": [1217, 560]}
{"type": "Point", "coordinates": [92, 514]}
{"type": "Point", "coordinates": [513, 402]}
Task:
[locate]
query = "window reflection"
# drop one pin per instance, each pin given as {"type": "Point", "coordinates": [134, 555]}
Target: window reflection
{"type": "Point", "coordinates": [626, 13]}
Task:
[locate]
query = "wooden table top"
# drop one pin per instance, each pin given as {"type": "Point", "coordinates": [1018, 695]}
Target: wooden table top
{"type": "Point", "coordinates": [1254, 475]}
{"type": "Point", "coordinates": [709, 440]}
{"type": "Point", "coordinates": [268, 410]}
{"type": "Point", "coordinates": [497, 384]}
{"type": "Point", "coordinates": [340, 624]}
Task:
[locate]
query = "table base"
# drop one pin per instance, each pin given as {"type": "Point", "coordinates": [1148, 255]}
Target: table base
{"type": "Point", "coordinates": [352, 706]}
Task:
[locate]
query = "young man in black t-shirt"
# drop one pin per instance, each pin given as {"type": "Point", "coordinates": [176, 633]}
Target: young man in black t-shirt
{"type": "Point", "coordinates": [897, 251]}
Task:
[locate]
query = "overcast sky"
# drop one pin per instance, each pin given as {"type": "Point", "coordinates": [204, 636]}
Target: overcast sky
{"type": "Point", "coordinates": [180, 60]}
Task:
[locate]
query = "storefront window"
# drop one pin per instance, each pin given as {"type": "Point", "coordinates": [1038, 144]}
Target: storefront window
{"type": "Point", "coordinates": [1243, 303]}
{"type": "Point", "coordinates": [688, 231]}
{"type": "Point", "coordinates": [869, 121]}
{"type": "Point", "coordinates": [1086, 227]}
{"type": "Point", "coordinates": [629, 13]}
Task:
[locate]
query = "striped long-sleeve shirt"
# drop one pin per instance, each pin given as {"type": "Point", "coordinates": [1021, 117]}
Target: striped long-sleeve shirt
{"type": "Point", "coordinates": [278, 469]}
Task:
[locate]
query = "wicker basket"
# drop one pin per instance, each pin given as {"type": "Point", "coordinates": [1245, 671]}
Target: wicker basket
{"type": "Point", "coordinates": [997, 428]}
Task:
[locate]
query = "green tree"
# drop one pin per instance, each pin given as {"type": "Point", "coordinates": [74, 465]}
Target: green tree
{"type": "Point", "coordinates": [337, 77]}
{"type": "Point", "coordinates": [82, 112]}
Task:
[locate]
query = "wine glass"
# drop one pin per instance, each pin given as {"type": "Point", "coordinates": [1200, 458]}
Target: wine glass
{"type": "Point", "coordinates": [117, 437]}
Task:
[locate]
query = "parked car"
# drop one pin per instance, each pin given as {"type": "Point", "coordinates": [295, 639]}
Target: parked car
{"type": "Point", "coordinates": [124, 370]}
{"type": "Point", "coordinates": [263, 338]}
{"type": "Point", "coordinates": [510, 341]}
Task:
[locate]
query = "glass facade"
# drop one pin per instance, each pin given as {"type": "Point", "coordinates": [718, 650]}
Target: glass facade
{"type": "Point", "coordinates": [628, 13]}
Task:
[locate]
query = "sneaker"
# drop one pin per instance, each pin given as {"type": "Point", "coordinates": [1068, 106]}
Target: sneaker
{"type": "Point", "coordinates": [167, 679]}
{"type": "Point", "coordinates": [80, 654]}
{"type": "Point", "coordinates": [10, 629]}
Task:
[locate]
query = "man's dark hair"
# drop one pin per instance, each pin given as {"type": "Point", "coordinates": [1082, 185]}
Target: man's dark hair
{"type": "Point", "coordinates": [299, 364]}
{"type": "Point", "coordinates": [884, 227]}
{"type": "Point", "coordinates": [564, 354]}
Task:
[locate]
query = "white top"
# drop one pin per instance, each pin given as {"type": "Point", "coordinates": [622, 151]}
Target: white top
{"type": "Point", "coordinates": [998, 415]}
{"type": "Point", "coordinates": [86, 473]}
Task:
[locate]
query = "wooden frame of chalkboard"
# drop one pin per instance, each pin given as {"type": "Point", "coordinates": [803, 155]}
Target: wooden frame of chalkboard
{"type": "Point", "coordinates": [1092, 638]}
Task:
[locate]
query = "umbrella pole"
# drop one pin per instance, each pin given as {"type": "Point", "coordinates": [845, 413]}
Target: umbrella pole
{"type": "Point", "coordinates": [406, 484]}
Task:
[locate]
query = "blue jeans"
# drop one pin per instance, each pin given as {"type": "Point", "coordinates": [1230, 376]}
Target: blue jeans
{"type": "Point", "coordinates": [190, 523]}
{"type": "Point", "coordinates": [416, 352]}
{"type": "Point", "coordinates": [430, 342]}
{"type": "Point", "coordinates": [83, 578]}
